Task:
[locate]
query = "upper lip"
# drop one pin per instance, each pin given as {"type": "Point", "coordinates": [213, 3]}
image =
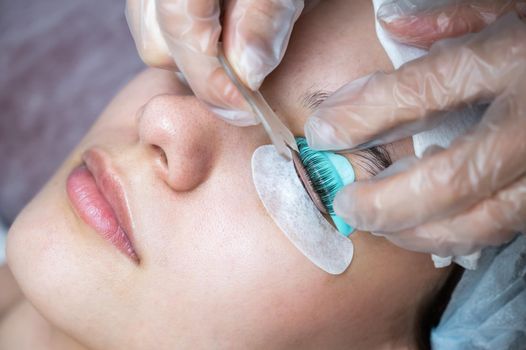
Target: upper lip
{"type": "Point", "coordinates": [110, 184]}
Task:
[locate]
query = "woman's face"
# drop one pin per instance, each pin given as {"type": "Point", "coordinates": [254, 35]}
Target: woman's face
{"type": "Point", "coordinates": [213, 269]}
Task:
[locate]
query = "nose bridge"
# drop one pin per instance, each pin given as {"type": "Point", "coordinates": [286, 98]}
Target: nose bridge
{"type": "Point", "coordinates": [186, 133]}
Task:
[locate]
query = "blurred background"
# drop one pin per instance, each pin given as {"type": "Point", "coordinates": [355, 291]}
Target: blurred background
{"type": "Point", "coordinates": [61, 62]}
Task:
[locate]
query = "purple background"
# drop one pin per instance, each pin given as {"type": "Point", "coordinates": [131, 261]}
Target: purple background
{"type": "Point", "coordinates": [61, 62]}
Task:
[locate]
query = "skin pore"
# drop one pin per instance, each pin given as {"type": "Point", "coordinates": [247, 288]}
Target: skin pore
{"type": "Point", "coordinates": [214, 270]}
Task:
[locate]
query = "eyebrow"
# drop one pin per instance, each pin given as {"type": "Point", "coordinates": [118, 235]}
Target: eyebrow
{"type": "Point", "coordinates": [371, 160]}
{"type": "Point", "coordinates": [311, 99]}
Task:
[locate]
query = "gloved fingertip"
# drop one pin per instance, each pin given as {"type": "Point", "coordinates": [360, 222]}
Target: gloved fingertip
{"type": "Point", "coordinates": [431, 150]}
{"type": "Point", "coordinates": [321, 134]}
{"type": "Point", "coordinates": [236, 117]}
{"type": "Point", "coordinates": [378, 234]}
{"type": "Point", "coordinates": [311, 127]}
{"type": "Point", "coordinates": [255, 80]}
{"type": "Point", "coordinates": [251, 68]}
{"type": "Point", "coordinates": [389, 11]}
{"type": "Point", "coordinates": [345, 205]}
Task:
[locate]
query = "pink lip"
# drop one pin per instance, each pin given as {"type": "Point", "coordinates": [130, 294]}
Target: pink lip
{"type": "Point", "coordinates": [99, 199]}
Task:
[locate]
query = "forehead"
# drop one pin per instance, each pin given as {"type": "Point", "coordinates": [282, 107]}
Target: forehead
{"type": "Point", "coordinates": [332, 44]}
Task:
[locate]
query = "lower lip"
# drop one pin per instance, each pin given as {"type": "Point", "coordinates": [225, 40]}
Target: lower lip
{"type": "Point", "coordinates": [95, 210]}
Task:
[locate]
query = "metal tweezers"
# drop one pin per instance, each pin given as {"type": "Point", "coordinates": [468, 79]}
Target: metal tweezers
{"type": "Point", "coordinates": [280, 136]}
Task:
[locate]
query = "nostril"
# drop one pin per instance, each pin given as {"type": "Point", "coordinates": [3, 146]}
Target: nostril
{"type": "Point", "coordinates": [159, 160]}
{"type": "Point", "coordinates": [181, 137]}
{"type": "Point", "coordinates": [162, 155]}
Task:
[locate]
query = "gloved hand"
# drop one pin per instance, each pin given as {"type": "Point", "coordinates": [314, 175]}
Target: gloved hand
{"type": "Point", "coordinates": [453, 201]}
{"type": "Point", "coordinates": [184, 35]}
{"type": "Point", "coordinates": [415, 23]}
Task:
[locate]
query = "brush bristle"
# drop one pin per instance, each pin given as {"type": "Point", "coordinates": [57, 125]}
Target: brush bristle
{"type": "Point", "coordinates": [320, 172]}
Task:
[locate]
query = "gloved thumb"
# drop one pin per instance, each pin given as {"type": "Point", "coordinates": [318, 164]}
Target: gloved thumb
{"type": "Point", "coordinates": [256, 34]}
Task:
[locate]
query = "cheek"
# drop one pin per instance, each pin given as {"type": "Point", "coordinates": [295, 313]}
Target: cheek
{"type": "Point", "coordinates": [388, 281]}
{"type": "Point", "coordinates": [229, 270]}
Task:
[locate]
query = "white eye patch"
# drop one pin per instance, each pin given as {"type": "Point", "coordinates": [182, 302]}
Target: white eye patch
{"type": "Point", "coordinates": [292, 210]}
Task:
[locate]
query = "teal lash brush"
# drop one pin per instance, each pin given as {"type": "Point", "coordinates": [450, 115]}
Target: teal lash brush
{"type": "Point", "coordinates": [323, 174]}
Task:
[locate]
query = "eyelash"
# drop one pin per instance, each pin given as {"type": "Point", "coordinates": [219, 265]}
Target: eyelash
{"type": "Point", "coordinates": [373, 160]}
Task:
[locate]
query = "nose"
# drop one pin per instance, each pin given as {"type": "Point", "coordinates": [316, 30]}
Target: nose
{"type": "Point", "coordinates": [184, 135]}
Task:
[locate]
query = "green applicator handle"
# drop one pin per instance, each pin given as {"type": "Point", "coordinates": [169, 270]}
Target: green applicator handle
{"type": "Point", "coordinates": [328, 173]}
{"type": "Point", "coordinates": [344, 170]}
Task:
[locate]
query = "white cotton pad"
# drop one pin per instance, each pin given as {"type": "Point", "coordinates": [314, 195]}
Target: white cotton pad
{"type": "Point", "coordinates": [290, 207]}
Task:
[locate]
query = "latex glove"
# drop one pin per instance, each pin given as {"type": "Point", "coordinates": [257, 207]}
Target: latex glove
{"type": "Point", "coordinates": [453, 201]}
{"type": "Point", "coordinates": [422, 22]}
{"type": "Point", "coordinates": [184, 34]}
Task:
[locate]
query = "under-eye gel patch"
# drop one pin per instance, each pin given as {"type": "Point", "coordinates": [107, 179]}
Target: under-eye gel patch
{"type": "Point", "coordinates": [290, 207]}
